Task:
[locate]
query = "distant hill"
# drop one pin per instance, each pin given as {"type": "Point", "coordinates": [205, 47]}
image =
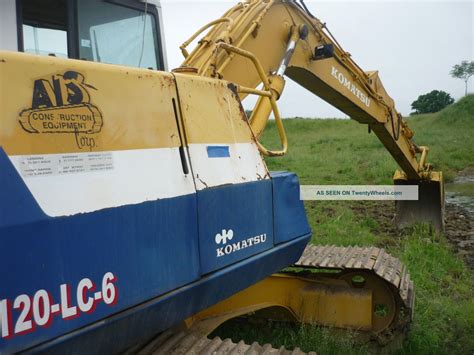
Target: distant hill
{"type": "Point", "coordinates": [463, 110]}
{"type": "Point", "coordinates": [449, 134]}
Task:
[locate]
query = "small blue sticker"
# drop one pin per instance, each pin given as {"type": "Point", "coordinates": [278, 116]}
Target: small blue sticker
{"type": "Point", "coordinates": [218, 151]}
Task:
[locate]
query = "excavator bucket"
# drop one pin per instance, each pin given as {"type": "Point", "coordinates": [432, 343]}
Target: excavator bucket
{"type": "Point", "coordinates": [429, 208]}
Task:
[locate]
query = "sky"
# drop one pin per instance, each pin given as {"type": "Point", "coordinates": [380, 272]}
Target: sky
{"type": "Point", "coordinates": [413, 44]}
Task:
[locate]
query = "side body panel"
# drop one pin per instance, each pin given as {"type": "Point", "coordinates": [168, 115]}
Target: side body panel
{"type": "Point", "coordinates": [126, 197]}
{"type": "Point", "coordinates": [95, 204]}
{"type": "Point", "coordinates": [141, 245]}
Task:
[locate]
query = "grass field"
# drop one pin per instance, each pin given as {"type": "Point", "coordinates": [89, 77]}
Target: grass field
{"type": "Point", "coordinates": [342, 152]}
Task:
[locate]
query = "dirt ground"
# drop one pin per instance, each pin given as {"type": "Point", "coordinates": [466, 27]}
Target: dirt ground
{"type": "Point", "coordinates": [460, 232]}
{"type": "Point", "coordinates": [459, 228]}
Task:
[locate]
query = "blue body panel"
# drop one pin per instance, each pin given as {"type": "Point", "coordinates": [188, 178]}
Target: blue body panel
{"type": "Point", "coordinates": [288, 209]}
{"type": "Point", "coordinates": [142, 322]}
{"type": "Point", "coordinates": [151, 248]}
{"type": "Point", "coordinates": [162, 254]}
{"type": "Point", "coordinates": [243, 209]}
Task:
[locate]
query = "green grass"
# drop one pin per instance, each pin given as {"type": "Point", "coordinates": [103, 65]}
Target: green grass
{"type": "Point", "coordinates": [342, 152]}
{"type": "Point", "coordinates": [449, 134]}
{"type": "Point", "coordinates": [307, 338]}
{"type": "Point", "coordinates": [444, 316]}
{"type": "Point", "coordinates": [330, 151]}
{"type": "Point", "coordinates": [333, 222]}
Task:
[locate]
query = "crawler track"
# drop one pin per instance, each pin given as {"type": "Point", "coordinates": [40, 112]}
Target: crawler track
{"type": "Point", "coordinates": [385, 275]}
{"type": "Point", "coordinates": [189, 342]}
{"type": "Point", "coordinates": [370, 259]}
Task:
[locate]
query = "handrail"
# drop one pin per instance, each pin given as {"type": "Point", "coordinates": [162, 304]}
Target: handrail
{"type": "Point", "coordinates": [270, 93]}
{"type": "Point", "coordinates": [198, 32]}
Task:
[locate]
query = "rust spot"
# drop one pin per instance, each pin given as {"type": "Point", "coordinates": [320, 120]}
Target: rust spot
{"type": "Point", "coordinates": [168, 80]}
{"type": "Point", "coordinates": [232, 87]}
{"type": "Point", "coordinates": [235, 95]}
{"type": "Point", "coordinates": [186, 70]}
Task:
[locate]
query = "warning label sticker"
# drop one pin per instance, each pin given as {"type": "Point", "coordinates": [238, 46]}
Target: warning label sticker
{"type": "Point", "coordinates": [64, 164]}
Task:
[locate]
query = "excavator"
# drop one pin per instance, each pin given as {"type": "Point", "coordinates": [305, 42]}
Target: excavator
{"type": "Point", "coordinates": [137, 213]}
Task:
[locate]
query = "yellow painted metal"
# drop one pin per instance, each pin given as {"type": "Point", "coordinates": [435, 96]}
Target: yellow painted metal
{"type": "Point", "coordinates": [211, 111]}
{"type": "Point", "coordinates": [326, 301]}
{"type": "Point", "coordinates": [119, 108]}
{"type": "Point", "coordinates": [246, 90]}
{"type": "Point", "coordinates": [422, 164]}
{"type": "Point", "coordinates": [198, 32]}
{"type": "Point", "coordinates": [265, 106]}
{"type": "Point", "coordinates": [263, 28]}
{"type": "Point", "coordinates": [430, 206]}
{"type": "Point", "coordinates": [272, 91]}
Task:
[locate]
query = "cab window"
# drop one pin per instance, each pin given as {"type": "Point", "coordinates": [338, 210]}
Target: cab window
{"type": "Point", "coordinates": [116, 34]}
{"type": "Point", "coordinates": [123, 32]}
{"type": "Point", "coordinates": [44, 27]}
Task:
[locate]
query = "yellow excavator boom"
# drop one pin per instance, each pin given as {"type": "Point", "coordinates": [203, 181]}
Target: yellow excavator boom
{"type": "Point", "coordinates": [258, 41]}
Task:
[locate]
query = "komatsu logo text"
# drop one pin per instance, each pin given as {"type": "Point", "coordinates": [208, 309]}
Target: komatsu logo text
{"type": "Point", "coordinates": [350, 86]}
{"type": "Point", "coordinates": [226, 236]}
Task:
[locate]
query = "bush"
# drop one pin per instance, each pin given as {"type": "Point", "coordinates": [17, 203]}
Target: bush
{"type": "Point", "coordinates": [433, 101]}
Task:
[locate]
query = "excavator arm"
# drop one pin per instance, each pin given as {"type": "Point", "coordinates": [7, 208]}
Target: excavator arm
{"type": "Point", "coordinates": [259, 41]}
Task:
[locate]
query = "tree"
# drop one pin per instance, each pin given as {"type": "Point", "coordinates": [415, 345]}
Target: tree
{"type": "Point", "coordinates": [463, 71]}
{"type": "Point", "coordinates": [433, 101]}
